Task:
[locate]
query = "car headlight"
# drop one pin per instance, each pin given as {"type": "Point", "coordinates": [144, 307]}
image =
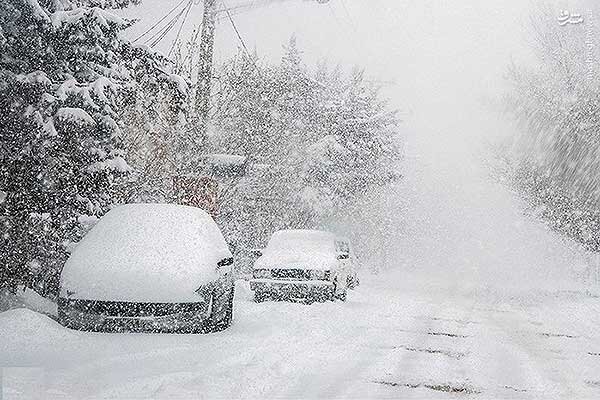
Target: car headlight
{"type": "Point", "coordinates": [261, 273]}
{"type": "Point", "coordinates": [320, 275]}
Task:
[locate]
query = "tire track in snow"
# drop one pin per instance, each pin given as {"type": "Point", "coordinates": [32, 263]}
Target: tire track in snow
{"type": "Point", "coordinates": [518, 360]}
{"type": "Point", "coordinates": [406, 373]}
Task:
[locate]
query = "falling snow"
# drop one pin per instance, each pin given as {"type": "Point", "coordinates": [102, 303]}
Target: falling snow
{"type": "Point", "coordinates": [397, 200]}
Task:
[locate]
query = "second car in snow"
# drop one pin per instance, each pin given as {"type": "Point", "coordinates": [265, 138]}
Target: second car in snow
{"type": "Point", "coordinates": [303, 265]}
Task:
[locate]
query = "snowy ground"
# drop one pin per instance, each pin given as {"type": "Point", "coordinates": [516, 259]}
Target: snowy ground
{"type": "Point", "coordinates": [387, 341]}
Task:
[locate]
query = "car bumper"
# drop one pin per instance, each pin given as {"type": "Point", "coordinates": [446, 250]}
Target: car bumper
{"type": "Point", "coordinates": [292, 289]}
{"type": "Point", "coordinates": [191, 321]}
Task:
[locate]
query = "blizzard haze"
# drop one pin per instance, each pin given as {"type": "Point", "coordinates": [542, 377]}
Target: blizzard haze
{"type": "Point", "coordinates": [469, 291]}
{"type": "Point", "coordinates": [438, 62]}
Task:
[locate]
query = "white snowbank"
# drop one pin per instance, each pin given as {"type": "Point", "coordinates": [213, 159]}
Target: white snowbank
{"type": "Point", "coordinates": [145, 252]}
{"type": "Point", "coordinates": [180, 83]}
{"type": "Point", "coordinates": [299, 249]}
{"type": "Point", "coordinates": [24, 329]}
{"type": "Point", "coordinates": [389, 330]}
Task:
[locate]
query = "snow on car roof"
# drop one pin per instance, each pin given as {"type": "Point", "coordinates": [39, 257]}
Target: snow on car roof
{"type": "Point", "coordinates": [302, 237]}
{"type": "Point", "coordinates": [299, 248]}
{"type": "Point", "coordinates": [145, 253]}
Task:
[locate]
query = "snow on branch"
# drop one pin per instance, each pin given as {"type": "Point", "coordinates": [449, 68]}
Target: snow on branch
{"type": "Point", "coordinates": [37, 11]}
{"type": "Point", "coordinates": [102, 17]}
{"type": "Point", "coordinates": [100, 87]}
{"type": "Point", "coordinates": [36, 77]}
{"type": "Point", "coordinates": [117, 164]}
{"type": "Point", "coordinates": [76, 115]}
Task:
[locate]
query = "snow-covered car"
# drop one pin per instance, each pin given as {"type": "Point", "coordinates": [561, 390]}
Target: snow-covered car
{"type": "Point", "coordinates": [301, 264]}
{"type": "Point", "coordinates": [149, 268]}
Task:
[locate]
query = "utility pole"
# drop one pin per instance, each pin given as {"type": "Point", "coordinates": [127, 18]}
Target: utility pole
{"type": "Point", "coordinates": [205, 61]}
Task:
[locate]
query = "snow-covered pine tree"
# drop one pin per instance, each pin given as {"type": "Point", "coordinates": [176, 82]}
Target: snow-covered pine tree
{"type": "Point", "coordinates": [321, 141]}
{"type": "Point", "coordinates": [358, 145]}
{"type": "Point", "coordinates": [65, 74]}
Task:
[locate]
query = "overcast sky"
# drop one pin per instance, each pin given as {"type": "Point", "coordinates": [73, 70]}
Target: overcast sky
{"type": "Point", "coordinates": [424, 46]}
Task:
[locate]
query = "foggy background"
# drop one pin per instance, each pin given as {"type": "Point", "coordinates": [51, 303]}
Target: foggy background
{"type": "Point", "coordinates": [440, 62]}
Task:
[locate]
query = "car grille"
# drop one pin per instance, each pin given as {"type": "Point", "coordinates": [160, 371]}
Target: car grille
{"type": "Point", "coordinates": [130, 309]}
{"type": "Point", "coordinates": [294, 274]}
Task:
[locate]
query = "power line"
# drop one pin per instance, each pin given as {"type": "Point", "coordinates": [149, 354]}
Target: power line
{"type": "Point", "coordinates": [158, 22]}
{"type": "Point", "coordinates": [237, 32]}
{"type": "Point", "coordinates": [161, 33]}
{"type": "Point", "coordinates": [244, 8]}
{"type": "Point", "coordinates": [180, 28]}
{"type": "Point", "coordinates": [349, 23]}
{"type": "Point", "coordinates": [254, 5]}
{"type": "Point", "coordinates": [349, 16]}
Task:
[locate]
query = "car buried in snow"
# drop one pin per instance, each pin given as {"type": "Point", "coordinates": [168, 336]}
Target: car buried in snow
{"type": "Point", "coordinates": [306, 265]}
{"type": "Point", "coordinates": [149, 268]}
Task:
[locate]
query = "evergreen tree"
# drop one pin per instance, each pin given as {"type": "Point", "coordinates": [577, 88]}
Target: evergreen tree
{"type": "Point", "coordinates": [319, 142]}
{"type": "Point", "coordinates": [65, 74]}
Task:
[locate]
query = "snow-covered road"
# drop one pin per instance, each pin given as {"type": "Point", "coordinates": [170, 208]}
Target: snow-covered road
{"type": "Point", "coordinates": [390, 340]}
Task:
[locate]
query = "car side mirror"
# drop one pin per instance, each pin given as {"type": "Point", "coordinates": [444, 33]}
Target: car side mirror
{"type": "Point", "coordinates": [225, 262]}
{"type": "Point", "coordinates": [256, 252]}
{"type": "Point", "coordinates": [343, 256]}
